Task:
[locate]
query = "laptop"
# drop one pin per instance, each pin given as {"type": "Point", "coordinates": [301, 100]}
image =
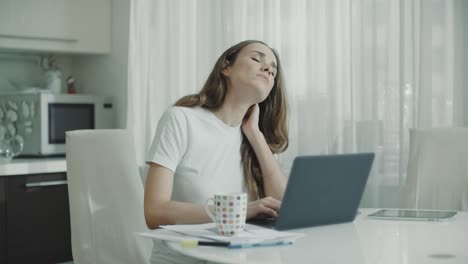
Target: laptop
{"type": "Point", "coordinates": [322, 190]}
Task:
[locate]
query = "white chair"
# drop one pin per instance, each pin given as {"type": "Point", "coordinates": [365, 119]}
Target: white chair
{"type": "Point", "coordinates": [437, 175]}
{"type": "Point", "coordinates": [106, 198]}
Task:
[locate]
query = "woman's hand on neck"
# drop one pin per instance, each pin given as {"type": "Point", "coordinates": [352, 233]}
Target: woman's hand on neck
{"type": "Point", "coordinates": [235, 114]}
{"type": "Point", "coordinates": [250, 123]}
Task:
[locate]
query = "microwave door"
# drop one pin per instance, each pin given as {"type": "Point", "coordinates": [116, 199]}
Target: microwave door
{"type": "Point", "coordinates": [63, 117]}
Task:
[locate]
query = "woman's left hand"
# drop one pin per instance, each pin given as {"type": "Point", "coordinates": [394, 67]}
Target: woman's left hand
{"type": "Point", "coordinates": [250, 122]}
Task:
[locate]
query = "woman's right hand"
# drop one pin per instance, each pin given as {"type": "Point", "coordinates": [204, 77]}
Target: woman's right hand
{"type": "Point", "coordinates": [267, 207]}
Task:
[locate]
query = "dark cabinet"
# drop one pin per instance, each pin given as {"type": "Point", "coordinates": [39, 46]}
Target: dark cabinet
{"type": "Point", "coordinates": [37, 219]}
{"type": "Point", "coordinates": [3, 238]}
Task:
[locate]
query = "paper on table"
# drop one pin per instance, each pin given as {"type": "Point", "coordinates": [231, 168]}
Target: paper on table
{"type": "Point", "coordinates": [251, 233]}
{"type": "Point", "coordinates": [168, 235]}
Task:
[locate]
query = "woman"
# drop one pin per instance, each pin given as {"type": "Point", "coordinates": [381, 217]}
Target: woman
{"type": "Point", "coordinates": [220, 140]}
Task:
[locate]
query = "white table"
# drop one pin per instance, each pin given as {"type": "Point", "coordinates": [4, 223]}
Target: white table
{"type": "Point", "coordinates": [363, 241]}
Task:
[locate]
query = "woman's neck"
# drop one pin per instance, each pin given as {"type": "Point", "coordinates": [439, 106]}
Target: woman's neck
{"type": "Point", "coordinates": [231, 112]}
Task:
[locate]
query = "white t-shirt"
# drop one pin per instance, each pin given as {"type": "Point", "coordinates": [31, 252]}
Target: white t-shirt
{"type": "Point", "coordinates": [204, 154]}
{"type": "Point", "coordinates": [201, 150]}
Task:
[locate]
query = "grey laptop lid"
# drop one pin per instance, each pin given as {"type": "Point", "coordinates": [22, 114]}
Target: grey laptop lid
{"type": "Point", "coordinates": [324, 190]}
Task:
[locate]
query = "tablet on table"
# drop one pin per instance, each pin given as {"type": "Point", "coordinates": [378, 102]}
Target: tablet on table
{"type": "Point", "coordinates": [411, 214]}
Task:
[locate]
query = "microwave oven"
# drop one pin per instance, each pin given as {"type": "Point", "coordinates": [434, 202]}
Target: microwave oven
{"type": "Point", "coordinates": [41, 119]}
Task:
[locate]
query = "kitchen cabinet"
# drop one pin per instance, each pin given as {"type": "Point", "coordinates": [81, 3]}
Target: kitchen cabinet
{"type": "Point", "coordinates": [35, 218]}
{"type": "Point", "coordinates": [2, 221]}
{"type": "Point", "coordinates": [65, 26]}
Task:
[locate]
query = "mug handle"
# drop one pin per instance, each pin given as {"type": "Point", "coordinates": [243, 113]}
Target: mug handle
{"type": "Point", "coordinates": [207, 210]}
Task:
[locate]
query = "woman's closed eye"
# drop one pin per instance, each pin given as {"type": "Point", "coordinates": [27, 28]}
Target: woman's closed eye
{"type": "Point", "coordinates": [272, 73]}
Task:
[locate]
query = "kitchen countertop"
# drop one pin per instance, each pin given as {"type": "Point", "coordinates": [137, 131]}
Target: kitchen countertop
{"type": "Point", "coordinates": [23, 166]}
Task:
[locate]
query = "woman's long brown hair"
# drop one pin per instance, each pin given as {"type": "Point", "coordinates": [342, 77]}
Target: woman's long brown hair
{"type": "Point", "coordinates": [272, 121]}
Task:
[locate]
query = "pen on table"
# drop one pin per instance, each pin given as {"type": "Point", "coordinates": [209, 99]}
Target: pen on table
{"type": "Point", "coordinates": [261, 244]}
{"type": "Point", "coordinates": [194, 243]}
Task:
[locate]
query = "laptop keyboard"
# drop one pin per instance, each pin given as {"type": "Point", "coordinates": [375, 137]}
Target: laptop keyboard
{"type": "Point", "coordinates": [267, 223]}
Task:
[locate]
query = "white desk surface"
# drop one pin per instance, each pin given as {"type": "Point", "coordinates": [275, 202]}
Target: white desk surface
{"type": "Point", "coordinates": [365, 241]}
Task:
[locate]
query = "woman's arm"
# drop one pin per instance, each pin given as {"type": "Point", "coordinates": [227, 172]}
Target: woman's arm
{"type": "Point", "coordinates": [273, 177]}
{"type": "Point", "coordinates": [159, 209]}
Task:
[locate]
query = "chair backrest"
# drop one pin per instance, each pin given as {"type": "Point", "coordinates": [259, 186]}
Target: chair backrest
{"type": "Point", "coordinates": [437, 175]}
{"type": "Point", "coordinates": [106, 198]}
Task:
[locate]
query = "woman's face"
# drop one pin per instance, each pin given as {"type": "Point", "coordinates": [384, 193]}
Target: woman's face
{"type": "Point", "coordinates": [252, 75]}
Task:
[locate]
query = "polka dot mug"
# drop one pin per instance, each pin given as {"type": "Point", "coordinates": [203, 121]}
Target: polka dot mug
{"type": "Point", "coordinates": [230, 212]}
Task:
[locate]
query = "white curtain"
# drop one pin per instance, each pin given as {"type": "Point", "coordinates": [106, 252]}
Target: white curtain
{"type": "Point", "coordinates": [359, 73]}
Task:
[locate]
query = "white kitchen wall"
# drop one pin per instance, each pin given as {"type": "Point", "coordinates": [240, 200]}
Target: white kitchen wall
{"type": "Point", "coordinates": [107, 74]}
